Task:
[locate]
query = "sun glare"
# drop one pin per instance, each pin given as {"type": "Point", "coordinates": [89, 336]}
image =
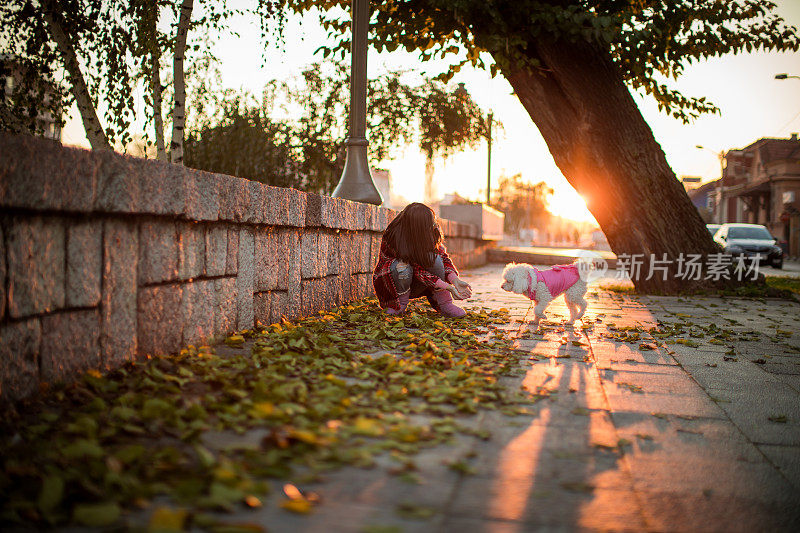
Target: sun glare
{"type": "Point", "coordinates": [567, 203]}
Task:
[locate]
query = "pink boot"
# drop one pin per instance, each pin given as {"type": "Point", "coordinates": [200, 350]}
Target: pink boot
{"type": "Point", "coordinates": [444, 301]}
{"type": "Point", "coordinates": [402, 299]}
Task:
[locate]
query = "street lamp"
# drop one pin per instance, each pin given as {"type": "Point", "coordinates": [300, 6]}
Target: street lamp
{"type": "Point", "coordinates": [356, 182]}
{"type": "Point", "coordinates": [489, 159]}
{"type": "Point", "coordinates": [784, 76]}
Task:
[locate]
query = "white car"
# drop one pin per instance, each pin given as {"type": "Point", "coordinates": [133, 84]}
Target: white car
{"type": "Point", "coordinates": [749, 240]}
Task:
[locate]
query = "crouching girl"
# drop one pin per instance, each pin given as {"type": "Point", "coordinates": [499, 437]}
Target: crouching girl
{"type": "Point", "coordinates": [413, 263]}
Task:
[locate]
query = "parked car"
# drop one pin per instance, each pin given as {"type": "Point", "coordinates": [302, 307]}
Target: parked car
{"type": "Point", "coordinates": [749, 240]}
{"type": "Point", "coordinates": [712, 228]}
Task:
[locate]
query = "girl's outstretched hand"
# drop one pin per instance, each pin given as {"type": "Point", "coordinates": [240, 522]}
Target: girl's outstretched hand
{"type": "Point", "coordinates": [463, 289]}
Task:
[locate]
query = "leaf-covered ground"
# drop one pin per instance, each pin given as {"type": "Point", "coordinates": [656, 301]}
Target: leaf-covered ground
{"type": "Point", "coordinates": [172, 438]}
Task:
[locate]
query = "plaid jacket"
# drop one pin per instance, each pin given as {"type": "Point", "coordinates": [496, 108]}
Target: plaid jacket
{"type": "Point", "coordinates": [384, 282]}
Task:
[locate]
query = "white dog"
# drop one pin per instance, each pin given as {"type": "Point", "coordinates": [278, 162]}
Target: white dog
{"type": "Point", "coordinates": [542, 286]}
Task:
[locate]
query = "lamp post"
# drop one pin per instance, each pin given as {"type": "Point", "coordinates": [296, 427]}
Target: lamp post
{"type": "Point", "coordinates": [721, 188]}
{"type": "Point", "coordinates": [356, 182]}
{"type": "Point", "coordinates": [784, 76]}
{"type": "Point", "coordinates": [490, 117]}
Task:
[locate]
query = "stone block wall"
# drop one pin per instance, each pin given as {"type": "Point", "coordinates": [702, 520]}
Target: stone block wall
{"type": "Point", "coordinates": [106, 258]}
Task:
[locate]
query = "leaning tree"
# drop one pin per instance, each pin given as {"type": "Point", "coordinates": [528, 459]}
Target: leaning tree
{"type": "Point", "coordinates": [572, 64]}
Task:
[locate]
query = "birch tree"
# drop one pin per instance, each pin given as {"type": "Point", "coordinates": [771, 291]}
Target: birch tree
{"type": "Point", "coordinates": [53, 17]}
{"type": "Point", "coordinates": [179, 98]}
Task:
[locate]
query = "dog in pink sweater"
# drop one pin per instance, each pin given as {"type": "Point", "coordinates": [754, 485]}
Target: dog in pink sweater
{"type": "Point", "coordinates": [543, 286]}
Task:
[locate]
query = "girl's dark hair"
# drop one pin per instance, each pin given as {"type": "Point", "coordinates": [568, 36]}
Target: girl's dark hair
{"type": "Point", "coordinates": [414, 234]}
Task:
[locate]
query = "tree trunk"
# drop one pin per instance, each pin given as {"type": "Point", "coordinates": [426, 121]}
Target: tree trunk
{"type": "Point", "coordinates": [150, 15]}
{"type": "Point", "coordinates": [94, 130]}
{"type": "Point", "coordinates": [429, 190]}
{"type": "Point", "coordinates": [179, 108]}
{"type": "Point", "coordinates": [158, 119]}
{"type": "Point", "coordinates": [607, 152]}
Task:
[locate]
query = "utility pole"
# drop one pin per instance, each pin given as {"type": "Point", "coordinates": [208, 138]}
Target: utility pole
{"type": "Point", "coordinates": [356, 182]}
{"type": "Point", "coordinates": [489, 163]}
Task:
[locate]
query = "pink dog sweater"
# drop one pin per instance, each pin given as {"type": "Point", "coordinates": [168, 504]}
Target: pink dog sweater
{"type": "Point", "coordinates": [557, 280]}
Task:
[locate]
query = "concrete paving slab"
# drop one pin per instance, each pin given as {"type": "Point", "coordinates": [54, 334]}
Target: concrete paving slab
{"type": "Point", "coordinates": [772, 416]}
{"type": "Point", "coordinates": [786, 458]}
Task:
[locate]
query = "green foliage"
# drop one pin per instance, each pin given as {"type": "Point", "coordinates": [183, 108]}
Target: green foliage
{"type": "Point", "coordinates": [337, 389]}
{"type": "Point", "coordinates": [237, 134]}
{"type": "Point", "coordinates": [245, 143]}
{"type": "Point", "coordinates": [31, 58]}
{"type": "Point", "coordinates": [651, 41]}
{"type": "Point", "coordinates": [524, 205]}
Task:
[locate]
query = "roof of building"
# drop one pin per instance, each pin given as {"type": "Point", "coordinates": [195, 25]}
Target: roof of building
{"type": "Point", "coordinates": [703, 189]}
{"type": "Point", "coordinates": [771, 149]}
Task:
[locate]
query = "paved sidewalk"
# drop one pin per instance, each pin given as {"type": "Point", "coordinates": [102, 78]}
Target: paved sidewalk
{"type": "Point", "coordinates": [695, 427]}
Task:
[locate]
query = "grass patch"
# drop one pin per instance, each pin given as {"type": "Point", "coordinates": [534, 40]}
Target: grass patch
{"type": "Point", "coordinates": [784, 284]}
{"type": "Point", "coordinates": [619, 288]}
{"type": "Point", "coordinates": [774, 287]}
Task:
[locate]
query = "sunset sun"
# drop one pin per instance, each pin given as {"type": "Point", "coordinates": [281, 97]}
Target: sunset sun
{"type": "Point", "coordinates": [567, 203]}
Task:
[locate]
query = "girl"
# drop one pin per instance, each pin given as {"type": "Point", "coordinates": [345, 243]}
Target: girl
{"type": "Point", "coordinates": [413, 263]}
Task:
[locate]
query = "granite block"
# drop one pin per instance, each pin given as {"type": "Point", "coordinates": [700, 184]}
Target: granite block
{"type": "Point", "coordinates": [234, 198]}
{"type": "Point", "coordinates": [197, 309]}
{"type": "Point", "coordinates": [36, 265]}
{"type": "Point", "coordinates": [119, 185]}
{"type": "Point", "coordinates": [158, 251]}
{"type": "Point", "coordinates": [118, 316]}
{"type": "Point", "coordinates": [162, 186]}
{"type": "Point", "coordinates": [158, 332]}
{"type": "Point", "coordinates": [191, 250]}
{"type": "Point", "coordinates": [245, 281]}
{"type": "Point", "coordinates": [84, 264]}
{"type": "Point", "coordinates": [70, 345]}
{"type": "Point", "coordinates": [261, 308]}
{"type": "Point", "coordinates": [278, 306]}
{"type": "Point", "coordinates": [287, 207]}
{"type": "Point", "coordinates": [269, 261]}
{"type": "Point", "coordinates": [312, 296]}
{"type": "Point", "coordinates": [216, 250]}
{"type": "Point", "coordinates": [225, 306]}
{"type": "Point", "coordinates": [258, 209]}
{"type": "Point", "coordinates": [19, 350]}
{"type": "Point", "coordinates": [232, 258]}
{"type": "Point", "coordinates": [202, 195]}
{"type": "Point", "coordinates": [33, 172]}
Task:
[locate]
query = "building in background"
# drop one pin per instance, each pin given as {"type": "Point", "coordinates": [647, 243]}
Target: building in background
{"type": "Point", "coordinates": [45, 123]}
{"type": "Point", "coordinates": [704, 199]}
{"type": "Point", "coordinates": [691, 182]}
{"type": "Point", "coordinates": [760, 184]}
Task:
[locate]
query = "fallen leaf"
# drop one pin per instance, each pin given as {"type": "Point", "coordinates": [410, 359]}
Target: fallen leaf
{"type": "Point", "coordinates": [97, 514]}
{"type": "Point", "coordinates": [167, 519]}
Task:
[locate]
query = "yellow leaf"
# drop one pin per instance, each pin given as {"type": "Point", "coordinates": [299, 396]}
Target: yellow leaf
{"type": "Point", "coordinates": [300, 506]}
{"type": "Point", "coordinates": [367, 427]}
{"type": "Point", "coordinates": [264, 410]}
{"type": "Point", "coordinates": [165, 519]}
{"type": "Point", "coordinates": [304, 436]}
{"type": "Point", "coordinates": [252, 501]}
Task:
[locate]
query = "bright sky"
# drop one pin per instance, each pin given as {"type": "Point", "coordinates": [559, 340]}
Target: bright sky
{"type": "Point", "coordinates": [753, 105]}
